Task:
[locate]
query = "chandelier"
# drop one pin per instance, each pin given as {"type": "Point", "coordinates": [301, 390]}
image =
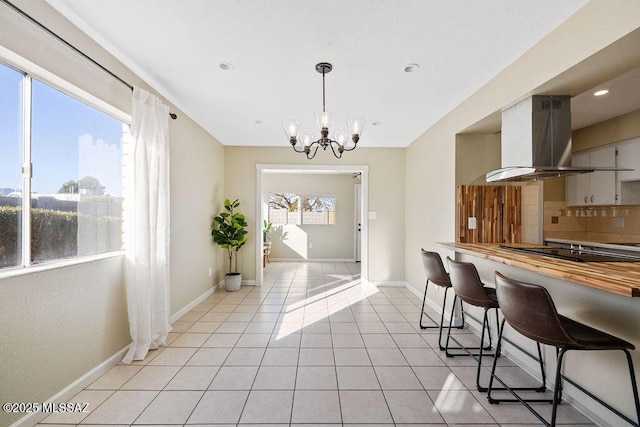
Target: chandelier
{"type": "Point", "coordinates": [301, 141]}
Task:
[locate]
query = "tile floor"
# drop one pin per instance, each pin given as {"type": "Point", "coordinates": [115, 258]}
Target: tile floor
{"type": "Point", "coordinates": [312, 346]}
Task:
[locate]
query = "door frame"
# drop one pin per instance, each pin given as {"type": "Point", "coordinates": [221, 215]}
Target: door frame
{"type": "Point", "coordinates": [262, 205]}
{"type": "Point", "coordinates": [357, 238]}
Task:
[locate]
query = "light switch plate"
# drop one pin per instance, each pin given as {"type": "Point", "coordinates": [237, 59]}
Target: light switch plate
{"type": "Point", "coordinates": [471, 223]}
{"type": "Point", "coordinates": [372, 215]}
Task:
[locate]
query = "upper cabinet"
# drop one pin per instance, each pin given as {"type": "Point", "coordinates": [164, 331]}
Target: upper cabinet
{"type": "Point", "coordinates": [628, 185]}
{"type": "Point", "coordinates": [607, 188]}
{"type": "Point", "coordinates": [596, 188]}
{"type": "Point", "coordinates": [629, 158]}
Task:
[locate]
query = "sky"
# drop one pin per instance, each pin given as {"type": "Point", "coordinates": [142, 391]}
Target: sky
{"type": "Point", "coordinates": [64, 130]}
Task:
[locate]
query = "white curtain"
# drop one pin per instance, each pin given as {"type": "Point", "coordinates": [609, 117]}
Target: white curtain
{"type": "Point", "coordinates": [147, 225]}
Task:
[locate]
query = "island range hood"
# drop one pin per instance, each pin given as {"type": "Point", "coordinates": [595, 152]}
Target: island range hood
{"type": "Point", "coordinates": [536, 141]}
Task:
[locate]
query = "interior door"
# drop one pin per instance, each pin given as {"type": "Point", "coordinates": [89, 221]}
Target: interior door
{"type": "Point", "coordinates": [358, 250]}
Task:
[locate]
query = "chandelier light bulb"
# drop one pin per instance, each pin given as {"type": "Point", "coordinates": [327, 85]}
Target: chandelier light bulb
{"type": "Point", "coordinates": [305, 139]}
{"type": "Point", "coordinates": [341, 137]}
{"type": "Point", "coordinates": [356, 124]}
{"type": "Point", "coordinates": [291, 127]}
{"type": "Point", "coordinates": [324, 120]}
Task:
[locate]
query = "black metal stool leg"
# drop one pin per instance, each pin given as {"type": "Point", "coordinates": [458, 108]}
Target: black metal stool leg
{"type": "Point", "coordinates": [444, 304]}
{"type": "Point", "coordinates": [485, 325]}
{"type": "Point", "coordinates": [435, 325]}
{"type": "Point", "coordinates": [497, 326]}
{"type": "Point", "coordinates": [422, 313]}
{"type": "Point", "coordinates": [632, 377]}
{"type": "Point", "coordinates": [516, 398]}
{"type": "Point", "coordinates": [465, 350]}
{"type": "Point", "coordinates": [634, 386]}
{"type": "Point", "coordinates": [557, 390]}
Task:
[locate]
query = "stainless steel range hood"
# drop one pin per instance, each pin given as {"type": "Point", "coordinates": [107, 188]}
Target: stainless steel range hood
{"type": "Point", "coordinates": [536, 141]}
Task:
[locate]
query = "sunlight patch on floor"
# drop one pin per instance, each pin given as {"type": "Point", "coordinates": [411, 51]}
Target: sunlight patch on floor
{"type": "Point", "coordinates": [337, 296]}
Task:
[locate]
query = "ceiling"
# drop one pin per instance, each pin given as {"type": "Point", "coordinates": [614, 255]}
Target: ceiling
{"type": "Point", "coordinates": [623, 97]}
{"type": "Point", "coordinates": [177, 47]}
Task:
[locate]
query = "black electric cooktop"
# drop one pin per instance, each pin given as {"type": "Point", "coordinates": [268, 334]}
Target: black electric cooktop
{"type": "Point", "coordinates": [574, 254]}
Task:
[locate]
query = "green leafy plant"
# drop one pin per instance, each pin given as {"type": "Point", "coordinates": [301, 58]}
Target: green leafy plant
{"type": "Point", "coordinates": [54, 234]}
{"type": "Point", "coordinates": [229, 231]}
{"type": "Point", "coordinates": [266, 229]}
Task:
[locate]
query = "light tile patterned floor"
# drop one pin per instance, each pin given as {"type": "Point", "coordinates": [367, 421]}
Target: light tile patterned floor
{"type": "Point", "coordinates": [312, 346]}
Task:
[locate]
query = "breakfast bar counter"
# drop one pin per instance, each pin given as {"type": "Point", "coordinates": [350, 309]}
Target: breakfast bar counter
{"type": "Point", "coordinates": [622, 278]}
{"type": "Point", "coordinates": [598, 294]}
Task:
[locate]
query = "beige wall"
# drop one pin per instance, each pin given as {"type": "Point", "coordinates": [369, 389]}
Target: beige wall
{"type": "Point", "coordinates": [197, 194]}
{"type": "Point", "coordinates": [573, 58]}
{"type": "Point", "coordinates": [565, 60]}
{"type": "Point", "coordinates": [386, 198]}
{"type": "Point", "coordinates": [476, 154]}
{"type": "Point", "coordinates": [56, 325]}
{"type": "Point", "coordinates": [334, 241]}
{"type": "Point", "coordinates": [617, 129]}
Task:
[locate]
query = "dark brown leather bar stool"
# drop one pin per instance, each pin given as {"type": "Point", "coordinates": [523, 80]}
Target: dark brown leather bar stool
{"type": "Point", "coordinates": [469, 288]}
{"type": "Point", "coordinates": [529, 309]}
{"type": "Point", "coordinates": [436, 274]}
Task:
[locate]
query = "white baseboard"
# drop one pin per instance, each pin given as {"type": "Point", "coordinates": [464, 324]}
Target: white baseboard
{"type": "Point", "coordinates": [72, 389]}
{"type": "Point", "coordinates": [312, 260]}
{"type": "Point", "coordinates": [187, 308]}
{"type": "Point", "coordinates": [81, 383]}
{"type": "Point", "coordinates": [390, 284]}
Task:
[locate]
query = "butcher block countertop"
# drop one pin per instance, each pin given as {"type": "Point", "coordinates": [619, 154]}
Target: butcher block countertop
{"type": "Point", "coordinates": [621, 278]}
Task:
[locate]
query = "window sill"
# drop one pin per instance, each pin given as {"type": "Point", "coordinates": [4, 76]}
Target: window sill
{"type": "Point", "coordinates": [53, 265]}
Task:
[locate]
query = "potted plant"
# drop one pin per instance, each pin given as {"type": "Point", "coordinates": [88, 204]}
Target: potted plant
{"type": "Point", "coordinates": [266, 229]}
{"type": "Point", "coordinates": [229, 231]}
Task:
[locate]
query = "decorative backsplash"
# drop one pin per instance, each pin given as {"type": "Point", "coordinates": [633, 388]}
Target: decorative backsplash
{"type": "Point", "coordinates": [489, 214]}
{"type": "Point", "coordinates": [608, 224]}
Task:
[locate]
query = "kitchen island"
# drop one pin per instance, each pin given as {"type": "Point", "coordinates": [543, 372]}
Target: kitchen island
{"type": "Point", "coordinates": [601, 294]}
{"type": "Point", "coordinates": [621, 278]}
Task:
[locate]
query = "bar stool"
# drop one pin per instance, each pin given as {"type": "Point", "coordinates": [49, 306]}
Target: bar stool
{"type": "Point", "coordinates": [469, 288]}
{"type": "Point", "coordinates": [529, 309]}
{"type": "Point", "coordinates": [436, 274]}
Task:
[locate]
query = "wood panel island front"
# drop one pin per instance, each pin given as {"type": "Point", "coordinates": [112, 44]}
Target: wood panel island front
{"type": "Point", "coordinates": [600, 294]}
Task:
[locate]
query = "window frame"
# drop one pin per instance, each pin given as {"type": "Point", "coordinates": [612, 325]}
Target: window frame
{"type": "Point", "coordinates": [32, 71]}
{"type": "Point", "coordinates": [301, 197]}
{"type": "Point", "coordinates": [309, 195]}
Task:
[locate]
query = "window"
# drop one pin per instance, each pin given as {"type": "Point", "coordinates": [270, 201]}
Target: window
{"type": "Point", "coordinates": [284, 208]}
{"type": "Point", "coordinates": [10, 167]}
{"type": "Point", "coordinates": [318, 209]}
{"type": "Point", "coordinates": [75, 184]}
{"type": "Point", "coordinates": [291, 208]}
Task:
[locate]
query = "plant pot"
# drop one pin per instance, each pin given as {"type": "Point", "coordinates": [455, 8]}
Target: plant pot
{"type": "Point", "coordinates": [232, 281]}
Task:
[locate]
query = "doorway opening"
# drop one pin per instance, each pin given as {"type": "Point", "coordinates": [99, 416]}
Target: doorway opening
{"type": "Point", "coordinates": [360, 233]}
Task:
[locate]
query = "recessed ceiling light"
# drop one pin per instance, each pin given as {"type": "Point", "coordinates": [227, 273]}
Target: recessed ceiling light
{"type": "Point", "coordinates": [411, 68]}
{"type": "Point", "coordinates": [601, 92]}
{"type": "Point", "coordinates": [226, 66]}
{"type": "Point", "coordinates": [376, 123]}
